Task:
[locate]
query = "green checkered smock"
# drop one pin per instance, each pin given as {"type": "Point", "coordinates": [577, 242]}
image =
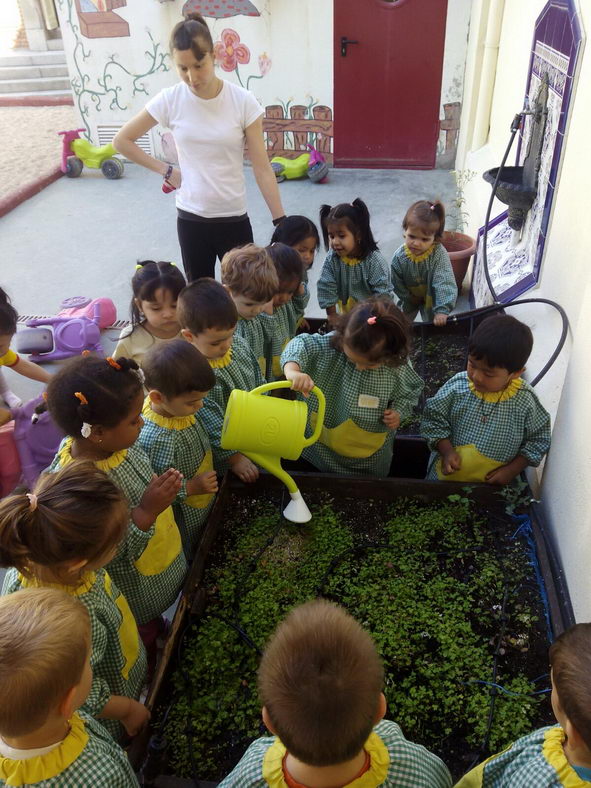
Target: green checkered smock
{"type": "Point", "coordinates": [534, 761]}
{"type": "Point", "coordinates": [238, 369]}
{"type": "Point", "coordinates": [281, 328]}
{"type": "Point", "coordinates": [86, 758]}
{"type": "Point", "coordinates": [354, 439]}
{"type": "Point", "coordinates": [488, 430]}
{"type": "Point", "coordinates": [118, 657]}
{"type": "Point", "coordinates": [345, 281]}
{"type": "Point", "coordinates": [424, 281]}
{"type": "Point", "coordinates": [394, 762]}
{"type": "Point", "coordinates": [180, 442]}
{"type": "Point", "coordinates": [150, 566]}
{"type": "Point", "coordinates": [255, 333]}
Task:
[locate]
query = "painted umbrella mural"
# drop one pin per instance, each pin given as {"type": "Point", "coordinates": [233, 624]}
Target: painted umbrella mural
{"type": "Point", "coordinates": [220, 9]}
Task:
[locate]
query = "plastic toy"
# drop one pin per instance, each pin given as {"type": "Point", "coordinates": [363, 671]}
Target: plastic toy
{"type": "Point", "coordinates": [76, 152]}
{"type": "Point", "coordinates": [80, 306]}
{"type": "Point", "coordinates": [266, 429]}
{"type": "Point", "coordinates": [10, 467]}
{"type": "Point", "coordinates": [69, 336]}
{"type": "Point", "coordinates": [290, 168]}
{"type": "Point", "coordinates": [37, 439]}
{"type": "Point", "coordinates": [317, 166]}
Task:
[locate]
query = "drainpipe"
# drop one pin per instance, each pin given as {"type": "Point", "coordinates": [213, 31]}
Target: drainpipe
{"type": "Point", "coordinates": [494, 23]}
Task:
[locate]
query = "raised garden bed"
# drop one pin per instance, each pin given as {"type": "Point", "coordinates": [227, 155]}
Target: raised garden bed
{"type": "Point", "coordinates": [448, 589]}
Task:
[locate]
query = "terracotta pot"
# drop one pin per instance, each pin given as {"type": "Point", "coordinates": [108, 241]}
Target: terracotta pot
{"type": "Point", "coordinates": [460, 248]}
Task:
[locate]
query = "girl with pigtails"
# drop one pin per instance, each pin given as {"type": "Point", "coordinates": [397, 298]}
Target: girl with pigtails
{"type": "Point", "coordinates": [354, 268]}
{"type": "Point", "coordinates": [422, 275]}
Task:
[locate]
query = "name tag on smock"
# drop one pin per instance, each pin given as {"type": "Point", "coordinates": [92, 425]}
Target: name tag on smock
{"type": "Point", "coordinates": [367, 401]}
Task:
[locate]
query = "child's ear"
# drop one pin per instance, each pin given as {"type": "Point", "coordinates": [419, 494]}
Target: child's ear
{"type": "Point", "coordinates": [188, 335]}
{"type": "Point", "coordinates": [575, 739]}
{"type": "Point", "coordinates": [73, 567]}
{"type": "Point", "coordinates": [518, 374]}
{"type": "Point", "coordinates": [97, 434]}
{"type": "Point", "coordinates": [267, 720]}
{"type": "Point", "coordinates": [66, 706]}
{"type": "Point", "coordinates": [382, 706]}
{"type": "Point", "coordinates": [155, 396]}
{"type": "Point", "coordinates": [138, 303]}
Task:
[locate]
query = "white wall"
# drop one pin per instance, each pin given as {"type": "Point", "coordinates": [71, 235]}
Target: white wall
{"type": "Point", "coordinates": [454, 60]}
{"type": "Point", "coordinates": [565, 278]}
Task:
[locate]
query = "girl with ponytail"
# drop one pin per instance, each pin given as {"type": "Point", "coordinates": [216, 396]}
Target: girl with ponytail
{"type": "Point", "coordinates": [354, 268]}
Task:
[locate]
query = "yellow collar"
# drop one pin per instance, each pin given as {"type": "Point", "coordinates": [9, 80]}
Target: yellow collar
{"type": "Point", "coordinates": [418, 258]}
{"type": "Point", "coordinates": [351, 260]}
{"type": "Point", "coordinates": [45, 767]}
{"type": "Point", "coordinates": [168, 422]}
{"type": "Point", "coordinates": [374, 776]}
{"type": "Point", "coordinates": [65, 457]}
{"type": "Point", "coordinates": [554, 755]}
{"type": "Point", "coordinates": [85, 583]}
{"type": "Point", "coordinates": [218, 363]}
{"type": "Point", "coordinates": [509, 391]}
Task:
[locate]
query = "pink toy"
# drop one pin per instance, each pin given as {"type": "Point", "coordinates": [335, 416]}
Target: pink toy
{"type": "Point", "coordinates": [37, 439]}
{"type": "Point", "coordinates": [80, 306]}
{"type": "Point", "coordinates": [10, 467]}
{"type": "Point", "coordinates": [69, 337]}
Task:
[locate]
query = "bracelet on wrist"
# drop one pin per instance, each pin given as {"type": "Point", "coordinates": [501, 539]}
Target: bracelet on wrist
{"type": "Point", "coordinates": [168, 172]}
{"type": "Point", "coordinates": [278, 220]}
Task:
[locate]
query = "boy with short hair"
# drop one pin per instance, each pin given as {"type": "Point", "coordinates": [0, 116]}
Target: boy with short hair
{"type": "Point", "coordinates": [45, 676]}
{"type": "Point", "coordinates": [208, 317]}
{"type": "Point", "coordinates": [487, 424]}
{"type": "Point", "coordinates": [320, 681]}
{"type": "Point", "coordinates": [557, 756]}
{"type": "Point", "coordinates": [249, 276]}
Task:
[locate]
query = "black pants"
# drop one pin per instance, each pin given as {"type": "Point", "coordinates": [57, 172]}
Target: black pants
{"type": "Point", "coordinates": [202, 242]}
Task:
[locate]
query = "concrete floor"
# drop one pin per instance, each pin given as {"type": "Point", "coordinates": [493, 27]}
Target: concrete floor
{"type": "Point", "coordinates": [84, 236]}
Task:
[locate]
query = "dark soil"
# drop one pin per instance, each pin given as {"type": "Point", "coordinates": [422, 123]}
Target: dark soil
{"type": "Point", "coordinates": [447, 592]}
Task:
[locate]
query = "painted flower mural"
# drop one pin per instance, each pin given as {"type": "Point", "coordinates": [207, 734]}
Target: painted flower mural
{"type": "Point", "coordinates": [220, 9]}
{"type": "Point", "coordinates": [229, 51]}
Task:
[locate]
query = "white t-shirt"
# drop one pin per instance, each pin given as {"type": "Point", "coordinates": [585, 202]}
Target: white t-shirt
{"type": "Point", "coordinates": [209, 136]}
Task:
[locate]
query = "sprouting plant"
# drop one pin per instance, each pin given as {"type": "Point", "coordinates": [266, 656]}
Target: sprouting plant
{"type": "Point", "coordinates": [459, 214]}
{"type": "Point", "coordinates": [516, 495]}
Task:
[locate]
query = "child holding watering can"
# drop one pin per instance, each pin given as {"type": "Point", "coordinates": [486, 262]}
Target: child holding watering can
{"type": "Point", "coordinates": [370, 386]}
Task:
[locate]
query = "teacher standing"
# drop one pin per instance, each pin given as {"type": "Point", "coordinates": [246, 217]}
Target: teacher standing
{"type": "Point", "coordinates": [210, 120]}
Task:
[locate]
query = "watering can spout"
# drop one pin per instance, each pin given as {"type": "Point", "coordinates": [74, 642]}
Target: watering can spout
{"type": "Point", "coordinates": [265, 429]}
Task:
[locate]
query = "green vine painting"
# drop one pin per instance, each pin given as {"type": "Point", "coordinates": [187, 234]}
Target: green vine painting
{"type": "Point", "coordinates": [107, 87]}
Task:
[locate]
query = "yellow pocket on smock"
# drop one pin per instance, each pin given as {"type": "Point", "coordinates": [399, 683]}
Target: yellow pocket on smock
{"type": "Point", "coordinates": [201, 501]}
{"type": "Point", "coordinates": [349, 440]}
{"type": "Point", "coordinates": [163, 547]}
{"type": "Point", "coordinates": [342, 309]}
{"type": "Point", "coordinates": [475, 465]}
{"type": "Point", "coordinates": [129, 639]}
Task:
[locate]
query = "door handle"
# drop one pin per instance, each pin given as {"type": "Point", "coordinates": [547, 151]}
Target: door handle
{"type": "Point", "coordinates": [344, 43]}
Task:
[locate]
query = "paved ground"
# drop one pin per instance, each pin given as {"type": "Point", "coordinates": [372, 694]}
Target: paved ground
{"type": "Point", "coordinates": [84, 236]}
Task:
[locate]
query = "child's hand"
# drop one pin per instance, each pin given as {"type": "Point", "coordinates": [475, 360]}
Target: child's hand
{"type": "Point", "coordinates": [332, 318]}
{"type": "Point", "coordinates": [304, 326]}
{"type": "Point", "coordinates": [244, 468]}
{"type": "Point", "coordinates": [391, 419]}
{"type": "Point", "coordinates": [439, 319]}
{"type": "Point", "coordinates": [502, 475]}
{"type": "Point", "coordinates": [300, 382]}
{"type": "Point", "coordinates": [157, 497]}
{"type": "Point", "coordinates": [203, 483]}
{"type": "Point", "coordinates": [301, 289]}
{"type": "Point", "coordinates": [450, 462]}
{"type": "Point", "coordinates": [136, 718]}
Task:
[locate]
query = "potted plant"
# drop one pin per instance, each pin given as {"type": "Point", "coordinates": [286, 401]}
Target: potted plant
{"type": "Point", "coordinates": [460, 247]}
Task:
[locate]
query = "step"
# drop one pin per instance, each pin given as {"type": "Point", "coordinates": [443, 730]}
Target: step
{"type": "Point", "coordinates": [27, 57]}
{"type": "Point", "coordinates": [35, 85]}
{"type": "Point", "coordinates": [32, 72]}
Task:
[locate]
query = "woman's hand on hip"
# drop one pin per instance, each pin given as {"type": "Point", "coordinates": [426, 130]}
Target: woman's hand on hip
{"type": "Point", "coordinates": [175, 179]}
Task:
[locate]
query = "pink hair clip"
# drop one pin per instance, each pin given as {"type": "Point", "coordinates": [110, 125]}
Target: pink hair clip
{"type": "Point", "coordinates": [432, 207]}
{"type": "Point", "coordinates": [371, 321]}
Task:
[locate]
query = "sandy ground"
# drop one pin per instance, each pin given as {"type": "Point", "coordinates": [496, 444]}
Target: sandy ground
{"type": "Point", "coordinates": [31, 147]}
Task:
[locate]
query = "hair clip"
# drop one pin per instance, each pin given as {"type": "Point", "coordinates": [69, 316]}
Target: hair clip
{"type": "Point", "coordinates": [44, 395]}
{"type": "Point", "coordinates": [86, 429]}
{"type": "Point", "coordinates": [111, 361]}
{"type": "Point", "coordinates": [371, 321]}
{"type": "Point", "coordinates": [85, 353]}
{"type": "Point", "coordinates": [79, 395]}
{"type": "Point", "coordinates": [32, 501]}
{"type": "Point", "coordinates": [432, 207]}
{"type": "Point", "coordinates": [138, 266]}
{"type": "Point", "coordinates": [141, 375]}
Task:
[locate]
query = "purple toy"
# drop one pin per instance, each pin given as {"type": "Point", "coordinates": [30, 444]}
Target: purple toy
{"type": "Point", "coordinates": [37, 439]}
{"type": "Point", "coordinates": [69, 337]}
{"type": "Point", "coordinates": [317, 166]}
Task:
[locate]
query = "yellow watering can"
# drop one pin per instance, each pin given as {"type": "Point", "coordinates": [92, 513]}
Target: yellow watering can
{"type": "Point", "coordinates": [265, 429]}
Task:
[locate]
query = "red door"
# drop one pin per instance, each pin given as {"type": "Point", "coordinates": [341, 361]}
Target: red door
{"type": "Point", "coordinates": [387, 83]}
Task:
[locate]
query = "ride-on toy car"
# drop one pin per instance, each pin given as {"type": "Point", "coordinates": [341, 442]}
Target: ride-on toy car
{"type": "Point", "coordinates": [77, 151]}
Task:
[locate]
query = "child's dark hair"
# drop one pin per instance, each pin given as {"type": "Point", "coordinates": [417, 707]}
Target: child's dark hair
{"type": "Point", "coordinates": [78, 513]}
{"type": "Point", "coordinates": [294, 229]}
{"type": "Point", "coordinates": [502, 341]}
{"type": "Point", "coordinates": [320, 680]}
{"type": "Point", "coordinates": [93, 390]}
{"type": "Point", "coordinates": [429, 216]}
{"type": "Point", "coordinates": [177, 367]}
{"type": "Point", "coordinates": [205, 304]}
{"type": "Point", "coordinates": [150, 277]}
{"type": "Point", "coordinates": [8, 315]}
{"type": "Point", "coordinates": [192, 33]}
{"type": "Point", "coordinates": [288, 263]}
{"type": "Point", "coordinates": [570, 658]}
{"type": "Point", "coordinates": [377, 330]}
{"type": "Point", "coordinates": [355, 217]}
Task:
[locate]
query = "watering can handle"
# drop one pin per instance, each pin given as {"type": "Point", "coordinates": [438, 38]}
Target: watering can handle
{"type": "Point", "coordinates": [286, 384]}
